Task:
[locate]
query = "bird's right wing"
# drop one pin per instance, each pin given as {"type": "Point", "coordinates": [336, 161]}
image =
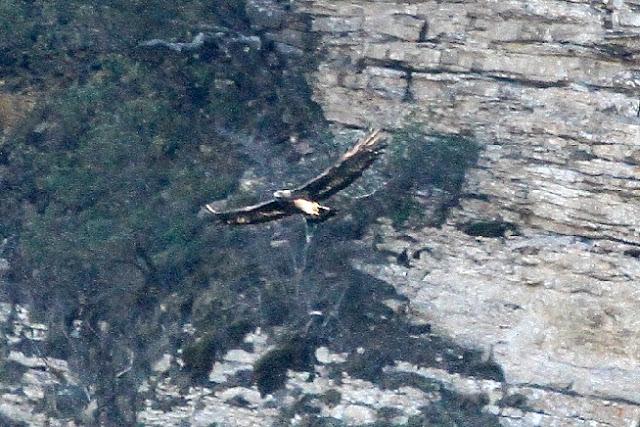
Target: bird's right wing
{"type": "Point", "coordinates": [254, 214]}
{"type": "Point", "coordinates": [347, 169]}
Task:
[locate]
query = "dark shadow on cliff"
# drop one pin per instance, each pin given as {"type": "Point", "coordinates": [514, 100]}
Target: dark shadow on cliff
{"type": "Point", "coordinates": [324, 300]}
{"type": "Point", "coordinates": [350, 316]}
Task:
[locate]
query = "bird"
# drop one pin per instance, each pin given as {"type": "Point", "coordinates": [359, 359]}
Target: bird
{"type": "Point", "coordinates": [306, 198]}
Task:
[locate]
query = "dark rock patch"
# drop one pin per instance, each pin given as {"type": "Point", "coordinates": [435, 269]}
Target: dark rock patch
{"type": "Point", "coordinates": [489, 228]}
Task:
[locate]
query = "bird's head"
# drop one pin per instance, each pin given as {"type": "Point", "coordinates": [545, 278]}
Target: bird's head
{"type": "Point", "coordinates": [282, 194]}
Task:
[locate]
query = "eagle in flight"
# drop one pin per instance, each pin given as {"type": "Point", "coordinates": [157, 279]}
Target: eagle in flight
{"type": "Point", "coordinates": [305, 199]}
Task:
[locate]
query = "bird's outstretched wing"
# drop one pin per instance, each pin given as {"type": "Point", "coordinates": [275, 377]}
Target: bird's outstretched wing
{"type": "Point", "coordinates": [254, 214]}
{"type": "Point", "coordinates": [348, 168]}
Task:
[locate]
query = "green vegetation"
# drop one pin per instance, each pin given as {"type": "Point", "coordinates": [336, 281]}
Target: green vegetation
{"type": "Point", "coordinates": [406, 209]}
{"type": "Point", "coordinates": [271, 369]}
{"type": "Point", "coordinates": [440, 160]}
{"type": "Point", "coordinates": [219, 336]}
{"type": "Point", "coordinates": [199, 355]}
{"type": "Point", "coordinates": [63, 40]}
{"type": "Point", "coordinates": [435, 165]}
{"type": "Point", "coordinates": [331, 397]}
{"type": "Point", "coordinates": [115, 180]}
{"type": "Point", "coordinates": [11, 372]}
{"type": "Point", "coordinates": [103, 181]}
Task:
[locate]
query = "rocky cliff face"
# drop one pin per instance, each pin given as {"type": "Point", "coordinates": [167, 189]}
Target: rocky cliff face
{"type": "Point", "coordinates": [546, 276]}
{"type": "Point", "coordinates": [536, 268]}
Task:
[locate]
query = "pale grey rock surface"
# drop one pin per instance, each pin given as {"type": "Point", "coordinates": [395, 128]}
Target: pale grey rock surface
{"type": "Point", "coordinates": [31, 386]}
{"type": "Point", "coordinates": [550, 89]}
{"type": "Point", "coordinates": [548, 309]}
{"type": "Point", "coordinates": [356, 401]}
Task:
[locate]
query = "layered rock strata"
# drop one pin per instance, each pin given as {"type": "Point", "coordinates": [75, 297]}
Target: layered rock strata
{"type": "Point", "coordinates": [550, 91]}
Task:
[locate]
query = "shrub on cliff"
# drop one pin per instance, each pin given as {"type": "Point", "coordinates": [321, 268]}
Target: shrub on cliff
{"type": "Point", "coordinates": [433, 164]}
{"type": "Point", "coordinates": [102, 182]}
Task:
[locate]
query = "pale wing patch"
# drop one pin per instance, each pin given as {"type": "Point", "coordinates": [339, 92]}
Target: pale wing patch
{"type": "Point", "coordinates": [307, 206]}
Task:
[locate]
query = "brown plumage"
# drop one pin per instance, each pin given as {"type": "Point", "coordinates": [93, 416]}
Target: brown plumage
{"type": "Point", "coordinates": [304, 199]}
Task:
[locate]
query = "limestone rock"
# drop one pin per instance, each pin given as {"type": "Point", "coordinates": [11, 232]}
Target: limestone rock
{"type": "Point", "coordinates": [265, 14]}
{"type": "Point", "coordinates": [30, 384]}
{"type": "Point", "coordinates": [550, 90]}
{"type": "Point", "coordinates": [324, 355]}
{"type": "Point", "coordinates": [163, 364]}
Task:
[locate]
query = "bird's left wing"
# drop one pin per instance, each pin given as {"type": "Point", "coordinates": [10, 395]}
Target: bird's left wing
{"type": "Point", "coordinates": [347, 169]}
{"type": "Point", "coordinates": [254, 214]}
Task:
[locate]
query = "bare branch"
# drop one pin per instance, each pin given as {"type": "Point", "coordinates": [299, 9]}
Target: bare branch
{"type": "Point", "coordinates": [200, 39]}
